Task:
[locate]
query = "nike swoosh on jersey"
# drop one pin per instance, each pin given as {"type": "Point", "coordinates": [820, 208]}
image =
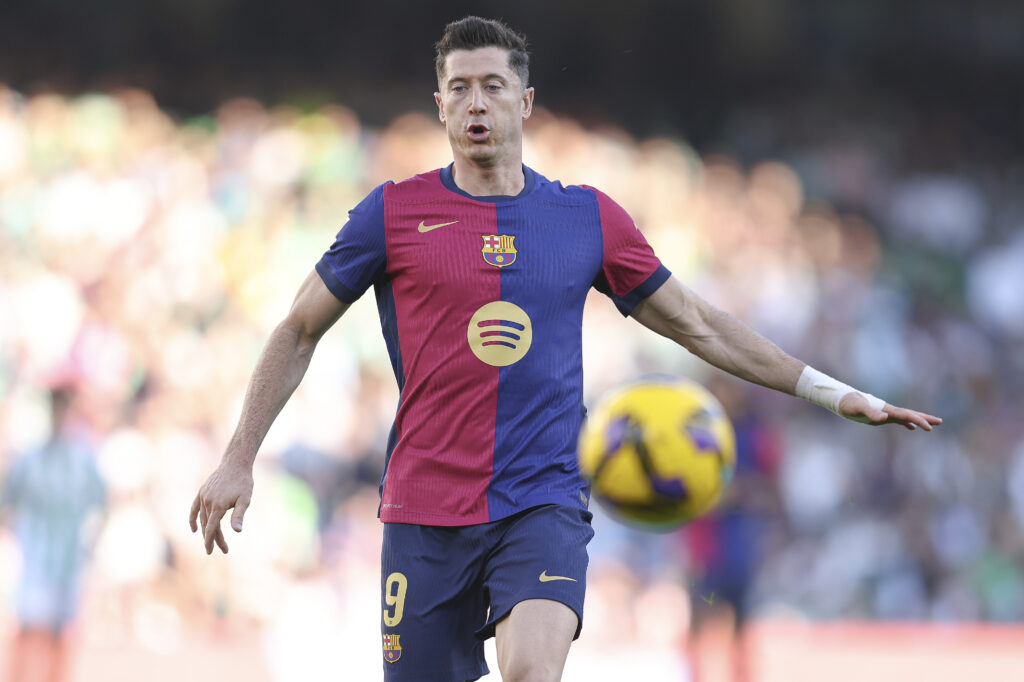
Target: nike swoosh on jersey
{"type": "Point", "coordinates": [545, 578]}
{"type": "Point", "coordinates": [428, 228]}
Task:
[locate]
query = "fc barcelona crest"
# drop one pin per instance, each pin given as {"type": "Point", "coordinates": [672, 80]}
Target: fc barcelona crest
{"type": "Point", "coordinates": [392, 649]}
{"type": "Point", "coordinates": [499, 249]}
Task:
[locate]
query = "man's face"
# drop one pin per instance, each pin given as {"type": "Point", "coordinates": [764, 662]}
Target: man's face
{"type": "Point", "coordinates": [483, 104]}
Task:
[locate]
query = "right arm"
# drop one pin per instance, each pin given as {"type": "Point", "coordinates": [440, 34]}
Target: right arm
{"type": "Point", "coordinates": [278, 373]}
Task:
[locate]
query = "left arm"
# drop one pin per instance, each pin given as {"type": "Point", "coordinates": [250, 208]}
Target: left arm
{"type": "Point", "coordinates": [676, 312]}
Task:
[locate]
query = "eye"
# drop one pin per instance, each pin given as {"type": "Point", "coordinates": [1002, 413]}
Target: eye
{"type": "Point", "coordinates": [493, 87]}
{"type": "Point", "coordinates": [459, 89]}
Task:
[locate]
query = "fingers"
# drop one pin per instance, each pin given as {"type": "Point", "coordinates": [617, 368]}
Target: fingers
{"type": "Point", "coordinates": [227, 488]}
{"type": "Point", "coordinates": [203, 516]}
{"type": "Point", "coordinates": [211, 529]}
{"type": "Point", "coordinates": [905, 423]}
{"type": "Point", "coordinates": [193, 514]}
{"type": "Point", "coordinates": [210, 522]}
{"type": "Point", "coordinates": [236, 516]}
{"type": "Point", "coordinates": [911, 419]}
{"type": "Point", "coordinates": [221, 542]}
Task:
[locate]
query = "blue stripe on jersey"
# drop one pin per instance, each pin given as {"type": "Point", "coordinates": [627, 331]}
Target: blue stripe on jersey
{"type": "Point", "coordinates": [389, 326]}
{"type": "Point", "coordinates": [540, 398]}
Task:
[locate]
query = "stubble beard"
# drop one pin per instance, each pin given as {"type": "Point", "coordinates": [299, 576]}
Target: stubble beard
{"type": "Point", "coordinates": [485, 155]}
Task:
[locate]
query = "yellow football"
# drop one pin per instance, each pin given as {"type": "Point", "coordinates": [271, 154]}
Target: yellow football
{"type": "Point", "coordinates": [658, 453]}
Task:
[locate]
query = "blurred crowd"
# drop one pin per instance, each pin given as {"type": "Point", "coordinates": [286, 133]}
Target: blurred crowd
{"type": "Point", "coordinates": [144, 261]}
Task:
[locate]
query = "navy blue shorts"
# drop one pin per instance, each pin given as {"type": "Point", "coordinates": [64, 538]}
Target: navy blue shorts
{"type": "Point", "coordinates": [445, 588]}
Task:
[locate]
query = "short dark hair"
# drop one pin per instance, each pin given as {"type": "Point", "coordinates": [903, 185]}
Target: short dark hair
{"type": "Point", "coordinates": [470, 33]}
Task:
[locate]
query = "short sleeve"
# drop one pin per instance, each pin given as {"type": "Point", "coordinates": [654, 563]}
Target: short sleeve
{"type": "Point", "coordinates": [357, 257]}
{"type": "Point", "coordinates": [630, 270]}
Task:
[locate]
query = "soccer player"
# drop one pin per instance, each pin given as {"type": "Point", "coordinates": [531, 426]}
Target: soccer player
{"type": "Point", "coordinates": [480, 271]}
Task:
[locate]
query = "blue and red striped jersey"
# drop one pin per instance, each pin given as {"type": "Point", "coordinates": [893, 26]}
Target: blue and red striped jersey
{"type": "Point", "coordinates": [481, 306]}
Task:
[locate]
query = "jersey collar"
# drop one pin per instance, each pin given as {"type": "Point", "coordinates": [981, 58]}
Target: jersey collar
{"type": "Point", "coordinates": [530, 179]}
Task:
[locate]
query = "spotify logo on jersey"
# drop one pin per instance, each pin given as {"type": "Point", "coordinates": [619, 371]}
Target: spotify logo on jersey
{"type": "Point", "coordinates": [500, 333]}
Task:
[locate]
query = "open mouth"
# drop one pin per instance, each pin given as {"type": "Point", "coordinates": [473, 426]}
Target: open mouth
{"type": "Point", "coordinates": [478, 132]}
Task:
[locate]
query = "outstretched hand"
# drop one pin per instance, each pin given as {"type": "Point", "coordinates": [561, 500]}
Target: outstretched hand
{"type": "Point", "coordinates": [856, 407]}
{"type": "Point", "coordinates": [229, 486]}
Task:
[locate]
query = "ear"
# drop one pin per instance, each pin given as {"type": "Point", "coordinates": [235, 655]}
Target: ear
{"type": "Point", "coordinates": [440, 106]}
{"type": "Point", "coordinates": [527, 103]}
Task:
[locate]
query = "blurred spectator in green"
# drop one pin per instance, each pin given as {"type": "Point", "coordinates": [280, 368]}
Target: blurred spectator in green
{"type": "Point", "coordinates": [49, 495]}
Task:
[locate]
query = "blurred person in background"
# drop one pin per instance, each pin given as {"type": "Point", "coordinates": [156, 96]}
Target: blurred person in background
{"type": "Point", "coordinates": [50, 497]}
{"type": "Point", "coordinates": [481, 492]}
{"type": "Point", "coordinates": [726, 545]}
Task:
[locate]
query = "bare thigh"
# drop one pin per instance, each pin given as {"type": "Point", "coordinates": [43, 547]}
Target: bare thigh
{"type": "Point", "coordinates": [533, 641]}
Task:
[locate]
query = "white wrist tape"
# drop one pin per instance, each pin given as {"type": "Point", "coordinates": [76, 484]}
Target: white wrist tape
{"type": "Point", "coordinates": [821, 389]}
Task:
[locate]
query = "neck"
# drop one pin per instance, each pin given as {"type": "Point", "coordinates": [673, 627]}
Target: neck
{"type": "Point", "coordinates": [503, 179]}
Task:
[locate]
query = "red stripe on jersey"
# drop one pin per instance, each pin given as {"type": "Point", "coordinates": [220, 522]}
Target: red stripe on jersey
{"type": "Point", "coordinates": [628, 260]}
{"type": "Point", "coordinates": [442, 463]}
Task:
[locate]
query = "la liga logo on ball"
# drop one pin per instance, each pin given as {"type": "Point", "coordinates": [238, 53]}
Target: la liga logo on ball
{"type": "Point", "coordinates": [658, 453]}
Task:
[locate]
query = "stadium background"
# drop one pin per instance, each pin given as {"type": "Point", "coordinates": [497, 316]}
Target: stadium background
{"type": "Point", "coordinates": [843, 176]}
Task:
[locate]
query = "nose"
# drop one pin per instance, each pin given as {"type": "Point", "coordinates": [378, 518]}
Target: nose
{"type": "Point", "coordinates": [477, 104]}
